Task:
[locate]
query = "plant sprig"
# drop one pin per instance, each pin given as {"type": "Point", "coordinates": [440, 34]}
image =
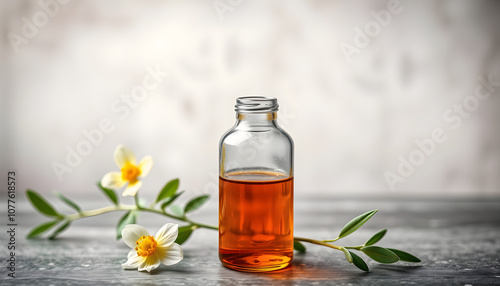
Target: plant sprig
{"type": "Point", "coordinates": [165, 201]}
{"type": "Point", "coordinates": [163, 205]}
{"type": "Point", "coordinates": [377, 253]}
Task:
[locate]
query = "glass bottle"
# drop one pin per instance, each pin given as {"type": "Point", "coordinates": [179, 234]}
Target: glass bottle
{"type": "Point", "coordinates": [256, 189]}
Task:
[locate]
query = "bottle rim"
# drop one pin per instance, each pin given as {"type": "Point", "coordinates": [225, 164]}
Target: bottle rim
{"type": "Point", "coordinates": [256, 104]}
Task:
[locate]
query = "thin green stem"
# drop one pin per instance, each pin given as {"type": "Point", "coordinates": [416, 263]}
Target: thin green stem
{"type": "Point", "coordinates": [318, 242]}
{"type": "Point", "coordinates": [355, 247]}
{"type": "Point", "coordinates": [331, 240]}
{"type": "Point", "coordinates": [84, 214]}
{"type": "Point", "coordinates": [136, 200]}
{"type": "Point", "coordinates": [201, 224]}
{"type": "Point", "coordinates": [108, 209]}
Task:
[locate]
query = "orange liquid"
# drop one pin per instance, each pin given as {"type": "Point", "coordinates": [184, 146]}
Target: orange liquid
{"type": "Point", "coordinates": [255, 221]}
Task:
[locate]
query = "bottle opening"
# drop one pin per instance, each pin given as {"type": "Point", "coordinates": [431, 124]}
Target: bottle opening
{"type": "Point", "coordinates": [256, 104]}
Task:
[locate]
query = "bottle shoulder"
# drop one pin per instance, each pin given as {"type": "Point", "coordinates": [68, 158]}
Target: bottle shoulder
{"type": "Point", "coordinates": [272, 134]}
{"type": "Point", "coordinates": [287, 136]}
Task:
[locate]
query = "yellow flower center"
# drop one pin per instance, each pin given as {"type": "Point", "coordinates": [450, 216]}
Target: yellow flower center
{"type": "Point", "coordinates": [130, 172]}
{"type": "Point", "coordinates": [146, 245]}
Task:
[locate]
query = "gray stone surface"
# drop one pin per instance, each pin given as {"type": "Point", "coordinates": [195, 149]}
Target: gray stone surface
{"type": "Point", "coordinates": [458, 242]}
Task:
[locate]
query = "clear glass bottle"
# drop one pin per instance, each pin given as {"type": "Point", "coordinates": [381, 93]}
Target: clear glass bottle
{"type": "Point", "coordinates": [256, 189]}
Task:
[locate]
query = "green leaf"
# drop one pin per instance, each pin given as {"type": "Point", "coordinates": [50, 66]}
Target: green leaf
{"type": "Point", "coordinates": [356, 223]}
{"type": "Point", "coordinates": [376, 237]}
{"type": "Point", "coordinates": [195, 203]}
{"type": "Point", "coordinates": [177, 210]}
{"type": "Point", "coordinates": [41, 204]}
{"type": "Point", "coordinates": [297, 245]}
{"type": "Point", "coordinates": [380, 254]}
{"type": "Point", "coordinates": [347, 254]}
{"type": "Point", "coordinates": [405, 256]}
{"type": "Point", "coordinates": [128, 218]}
{"type": "Point", "coordinates": [171, 200]}
{"type": "Point", "coordinates": [359, 262]}
{"type": "Point", "coordinates": [184, 233]}
{"type": "Point", "coordinates": [39, 229]}
{"type": "Point", "coordinates": [68, 201]}
{"type": "Point", "coordinates": [62, 228]}
{"type": "Point", "coordinates": [168, 190]}
{"type": "Point", "coordinates": [110, 194]}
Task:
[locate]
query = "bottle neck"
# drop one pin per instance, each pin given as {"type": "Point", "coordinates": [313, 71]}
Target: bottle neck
{"type": "Point", "coordinates": [251, 120]}
{"type": "Point", "coordinates": [256, 117]}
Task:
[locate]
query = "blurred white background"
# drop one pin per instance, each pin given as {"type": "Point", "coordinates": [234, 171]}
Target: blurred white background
{"type": "Point", "coordinates": [352, 118]}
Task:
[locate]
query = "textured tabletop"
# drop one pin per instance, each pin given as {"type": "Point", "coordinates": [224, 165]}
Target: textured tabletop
{"type": "Point", "coordinates": [458, 242]}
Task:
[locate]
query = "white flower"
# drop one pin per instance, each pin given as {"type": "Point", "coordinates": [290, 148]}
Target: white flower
{"type": "Point", "coordinates": [130, 171]}
{"type": "Point", "coordinates": [148, 251]}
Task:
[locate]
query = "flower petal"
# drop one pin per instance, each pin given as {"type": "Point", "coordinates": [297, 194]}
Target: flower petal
{"type": "Point", "coordinates": [171, 255]}
{"type": "Point", "coordinates": [145, 166]}
{"type": "Point", "coordinates": [167, 234]}
{"type": "Point", "coordinates": [150, 263]}
{"type": "Point", "coordinates": [131, 233]}
{"type": "Point", "coordinates": [132, 189]}
{"type": "Point", "coordinates": [132, 253]}
{"type": "Point", "coordinates": [112, 180]}
{"type": "Point", "coordinates": [124, 155]}
{"type": "Point", "coordinates": [134, 260]}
